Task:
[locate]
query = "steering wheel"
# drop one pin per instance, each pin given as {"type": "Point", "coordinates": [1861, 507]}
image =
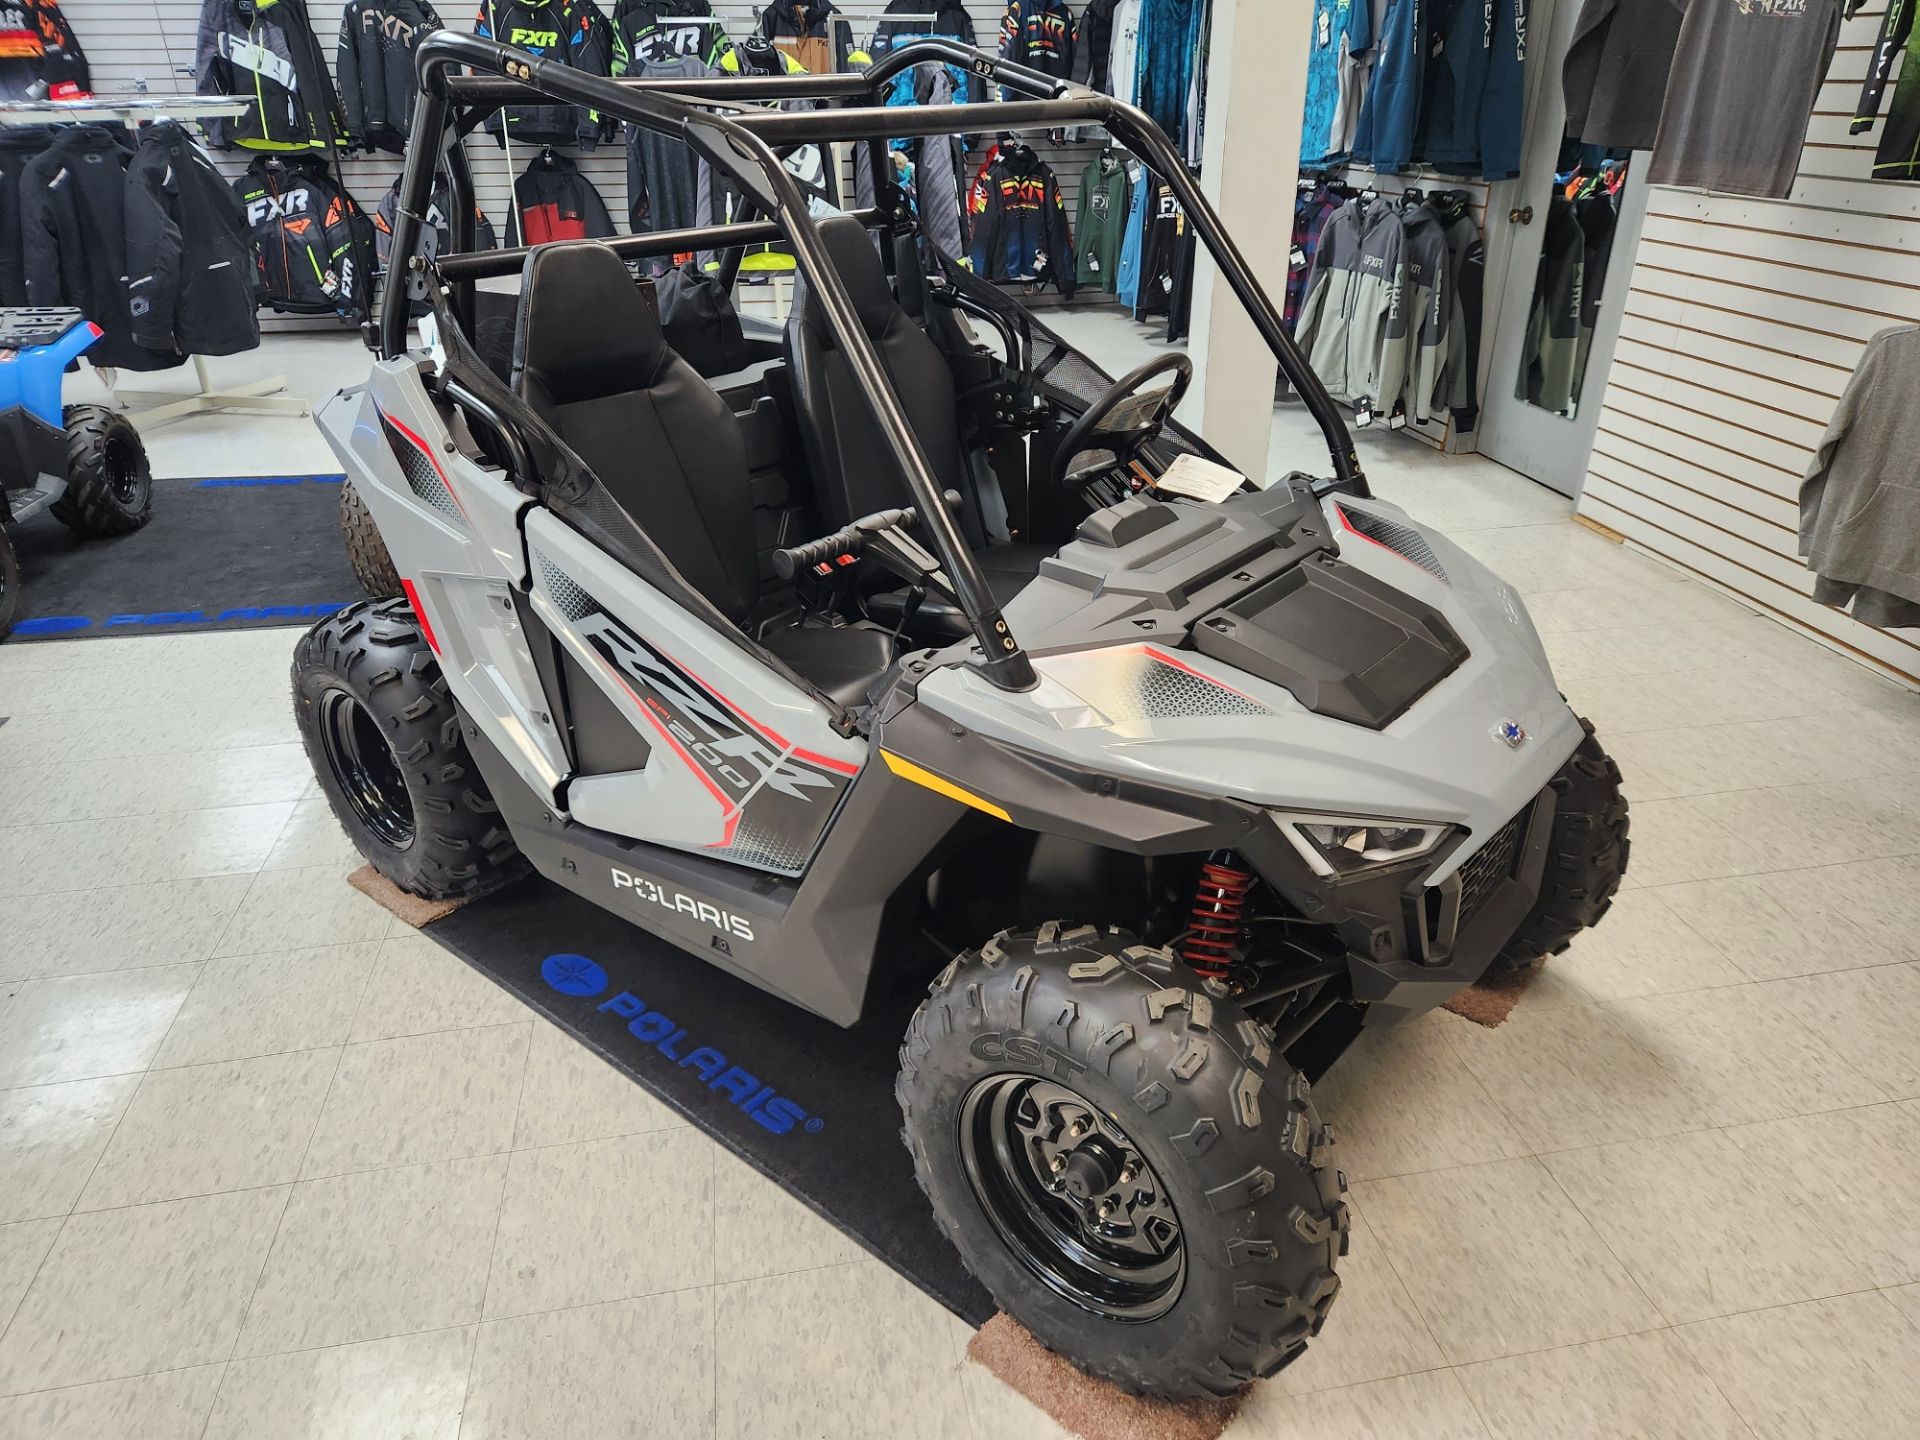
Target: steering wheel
{"type": "Point", "coordinates": [1124, 420]}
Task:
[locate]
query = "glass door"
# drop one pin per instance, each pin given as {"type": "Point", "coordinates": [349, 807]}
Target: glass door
{"type": "Point", "coordinates": [1569, 227]}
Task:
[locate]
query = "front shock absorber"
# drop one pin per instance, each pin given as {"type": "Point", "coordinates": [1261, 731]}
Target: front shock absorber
{"type": "Point", "coordinates": [1218, 924]}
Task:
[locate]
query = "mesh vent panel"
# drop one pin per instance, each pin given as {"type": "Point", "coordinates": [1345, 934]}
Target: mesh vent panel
{"type": "Point", "coordinates": [1403, 540]}
{"type": "Point", "coordinates": [422, 478]}
{"type": "Point", "coordinates": [1133, 684]}
{"type": "Point", "coordinates": [573, 602]}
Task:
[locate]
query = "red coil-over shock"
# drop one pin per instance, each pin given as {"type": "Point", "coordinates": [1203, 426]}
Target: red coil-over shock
{"type": "Point", "coordinates": [1219, 918]}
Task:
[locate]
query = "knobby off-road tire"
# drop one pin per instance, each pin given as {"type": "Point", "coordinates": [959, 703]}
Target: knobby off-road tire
{"type": "Point", "coordinates": [372, 566]}
{"type": "Point", "coordinates": [1587, 858]}
{"type": "Point", "coordinates": [385, 740]}
{"type": "Point", "coordinates": [1226, 1128]}
{"type": "Point", "coordinates": [9, 582]}
{"type": "Point", "coordinates": [109, 483]}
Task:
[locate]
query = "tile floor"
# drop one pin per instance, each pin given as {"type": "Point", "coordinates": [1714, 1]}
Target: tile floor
{"type": "Point", "coordinates": [271, 1165]}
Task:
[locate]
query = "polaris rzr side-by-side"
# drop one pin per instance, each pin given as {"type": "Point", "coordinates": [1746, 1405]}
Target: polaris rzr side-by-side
{"type": "Point", "coordinates": [877, 651]}
{"type": "Point", "coordinates": [85, 463]}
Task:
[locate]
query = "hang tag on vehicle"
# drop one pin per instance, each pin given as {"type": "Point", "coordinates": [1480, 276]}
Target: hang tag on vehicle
{"type": "Point", "coordinates": [1200, 479]}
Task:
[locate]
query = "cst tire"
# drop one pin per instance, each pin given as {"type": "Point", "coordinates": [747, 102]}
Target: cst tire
{"type": "Point", "coordinates": [385, 741]}
{"type": "Point", "coordinates": [372, 566]}
{"type": "Point", "coordinates": [109, 483]}
{"type": "Point", "coordinates": [9, 582]}
{"type": "Point", "coordinates": [1586, 861]}
{"type": "Point", "coordinates": [1226, 1129]}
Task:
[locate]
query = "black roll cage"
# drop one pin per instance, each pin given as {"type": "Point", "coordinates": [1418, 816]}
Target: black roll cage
{"type": "Point", "coordinates": [747, 143]}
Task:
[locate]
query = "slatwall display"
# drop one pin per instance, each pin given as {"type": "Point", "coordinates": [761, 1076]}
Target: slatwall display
{"type": "Point", "coordinates": [151, 41]}
{"type": "Point", "coordinates": [1744, 321]}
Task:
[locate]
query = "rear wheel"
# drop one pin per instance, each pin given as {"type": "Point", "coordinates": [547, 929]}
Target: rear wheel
{"type": "Point", "coordinates": [366, 551]}
{"type": "Point", "coordinates": [1586, 858]}
{"type": "Point", "coordinates": [385, 740]}
{"type": "Point", "coordinates": [1122, 1160]}
{"type": "Point", "coordinates": [9, 581]}
{"type": "Point", "coordinates": [109, 484]}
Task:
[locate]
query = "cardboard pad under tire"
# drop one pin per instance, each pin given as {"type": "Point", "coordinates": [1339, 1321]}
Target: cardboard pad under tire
{"type": "Point", "coordinates": [807, 1103]}
{"type": "Point", "coordinates": [1088, 1407]}
{"type": "Point", "coordinates": [411, 909]}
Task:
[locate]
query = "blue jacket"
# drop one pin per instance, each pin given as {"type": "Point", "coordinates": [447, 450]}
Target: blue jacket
{"type": "Point", "coordinates": [1391, 116]}
{"type": "Point", "coordinates": [1169, 37]}
{"type": "Point", "coordinates": [1021, 232]}
{"type": "Point", "coordinates": [1341, 28]}
{"type": "Point", "coordinates": [1475, 89]}
{"type": "Point", "coordinates": [1126, 286]}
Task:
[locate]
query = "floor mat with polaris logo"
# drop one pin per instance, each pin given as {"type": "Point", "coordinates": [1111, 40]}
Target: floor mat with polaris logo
{"type": "Point", "coordinates": [218, 554]}
{"type": "Point", "coordinates": [806, 1103]}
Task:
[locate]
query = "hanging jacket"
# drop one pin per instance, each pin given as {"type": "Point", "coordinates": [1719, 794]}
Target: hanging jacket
{"type": "Point", "coordinates": [38, 46]}
{"type": "Point", "coordinates": [800, 28]}
{"type": "Point", "coordinates": [1312, 208]}
{"type": "Point", "coordinates": [1021, 230]}
{"type": "Point", "coordinates": [1354, 323]}
{"type": "Point", "coordinates": [17, 149]}
{"type": "Point", "coordinates": [1342, 32]}
{"type": "Point", "coordinates": [1169, 41]}
{"type": "Point", "coordinates": [1616, 72]}
{"type": "Point", "coordinates": [1123, 66]}
{"type": "Point", "coordinates": [1101, 224]}
{"type": "Point", "coordinates": [1898, 157]}
{"type": "Point", "coordinates": [1160, 247]}
{"type": "Point", "coordinates": [1386, 135]}
{"type": "Point", "coordinates": [313, 244]}
{"type": "Point", "coordinates": [74, 240]}
{"type": "Point", "coordinates": [1093, 47]}
{"type": "Point", "coordinates": [1427, 294]}
{"type": "Point", "coordinates": [556, 202]}
{"type": "Point", "coordinates": [1126, 285]}
{"type": "Point", "coordinates": [375, 68]}
{"type": "Point", "coordinates": [189, 251]}
{"type": "Point", "coordinates": [266, 49]}
{"type": "Point", "coordinates": [668, 186]}
{"type": "Point", "coordinates": [439, 212]}
{"type": "Point", "coordinates": [950, 18]}
{"type": "Point", "coordinates": [646, 31]}
{"type": "Point", "coordinates": [1039, 35]}
{"type": "Point", "coordinates": [571, 32]}
{"type": "Point", "coordinates": [1469, 110]}
{"type": "Point", "coordinates": [1859, 514]}
{"type": "Point", "coordinates": [1467, 257]}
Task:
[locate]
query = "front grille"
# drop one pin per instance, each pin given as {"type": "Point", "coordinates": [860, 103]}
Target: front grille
{"type": "Point", "coordinates": [1494, 862]}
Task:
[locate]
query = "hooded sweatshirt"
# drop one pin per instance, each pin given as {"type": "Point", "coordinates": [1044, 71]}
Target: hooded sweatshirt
{"type": "Point", "coordinates": [375, 67]}
{"type": "Point", "coordinates": [1354, 324]}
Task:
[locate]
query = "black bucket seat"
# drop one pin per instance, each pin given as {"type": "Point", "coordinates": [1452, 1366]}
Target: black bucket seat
{"type": "Point", "coordinates": [853, 467]}
{"type": "Point", "coordinates": [590, 358]}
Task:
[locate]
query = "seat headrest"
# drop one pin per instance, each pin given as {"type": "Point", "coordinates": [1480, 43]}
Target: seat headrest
{"type": "Point", "coordinates": [860, 270]}
{"type": "Point", "coordinates": [583, 330]}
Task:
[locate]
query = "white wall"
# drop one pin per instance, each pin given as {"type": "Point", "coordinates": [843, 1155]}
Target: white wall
{"type": "Point", "coordinates": [1744, 321]}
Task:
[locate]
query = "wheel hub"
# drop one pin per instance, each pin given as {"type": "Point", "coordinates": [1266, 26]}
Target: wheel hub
{"type": "Point", "coordinates": [366, 769]}
{"type": "Point", "coordinates": [1072, 1197]}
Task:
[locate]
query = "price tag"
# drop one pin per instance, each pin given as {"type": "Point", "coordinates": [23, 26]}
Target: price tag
{"type": "Point", "coordinates": [1200, 479]}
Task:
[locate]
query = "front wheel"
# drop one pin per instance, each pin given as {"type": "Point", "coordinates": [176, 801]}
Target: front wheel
{"type": "Point", "coordinates": [1586, 858]}
{"type": "Point", "coordinates": [109, 483]}
{"type": "Point", "coordinates": [372, 566]}
{"type": "Point", "coordinates": [1123, 1161]}
{"type": "Point", "coordinates": [384, 740]}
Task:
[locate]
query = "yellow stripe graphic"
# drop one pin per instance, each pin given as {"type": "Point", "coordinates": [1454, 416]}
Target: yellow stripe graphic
{"type": "Point", "coordinates": [907, 770]}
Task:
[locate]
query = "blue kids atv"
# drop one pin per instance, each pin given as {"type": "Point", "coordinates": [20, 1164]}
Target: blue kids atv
{"type": "Point", "coordinates": [85, 463]}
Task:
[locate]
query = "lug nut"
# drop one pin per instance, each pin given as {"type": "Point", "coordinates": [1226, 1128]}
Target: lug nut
{"type": "Point", "coordinates": [1058, 1163]}
{"type": "Point", "coordinates": [1127, 1175]}
{"type": "Point", "coordinates": [1106, 1209]}
{"type": "Point", "coordinates": [1077, 1129]}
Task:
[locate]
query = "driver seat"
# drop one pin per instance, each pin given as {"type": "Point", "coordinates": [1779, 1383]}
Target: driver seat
{"type": "Point", "coordinates": [589, 356]}
{"type": "Point", "coordinates": [853, 467]}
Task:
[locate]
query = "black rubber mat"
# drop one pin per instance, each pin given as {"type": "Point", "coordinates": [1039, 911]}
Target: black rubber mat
{"type": "Point", "coordinates": [218, 554]}
{"type": "Point", "coordinates": [805, 1102]}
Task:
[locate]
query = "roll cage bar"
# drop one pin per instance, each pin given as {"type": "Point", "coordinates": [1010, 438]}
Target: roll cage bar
{"type": "Point", "coordinates": [747, 144]}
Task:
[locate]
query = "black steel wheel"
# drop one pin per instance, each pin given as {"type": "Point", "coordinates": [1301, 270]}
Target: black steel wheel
{"type": "Point", "coordinates": [1123, 1160]}
{"type": "Point", "coordinates": [388, 746]}
{"type": "Point", "coordinates": [1072, 1196]}
{"type": "Point", "coordinates": [109, 483]}
{"type": "Point", "coordinates": [366, 769]}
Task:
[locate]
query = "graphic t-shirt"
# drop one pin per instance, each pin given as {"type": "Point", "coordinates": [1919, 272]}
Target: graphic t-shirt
{"type": "Point", "coordinates": [1742, 89]}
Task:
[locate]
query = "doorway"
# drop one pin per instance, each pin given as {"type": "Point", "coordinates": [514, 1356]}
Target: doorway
{"type": "Point", "coordinates": [1562, 239]}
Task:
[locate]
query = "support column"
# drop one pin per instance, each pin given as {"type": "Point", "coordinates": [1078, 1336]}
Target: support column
{"type": "Point", "coordinates": [1256, 99]}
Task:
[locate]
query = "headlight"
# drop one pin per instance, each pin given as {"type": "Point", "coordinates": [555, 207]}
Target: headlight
{"type": "Point", "coordinates": [1340, 845]}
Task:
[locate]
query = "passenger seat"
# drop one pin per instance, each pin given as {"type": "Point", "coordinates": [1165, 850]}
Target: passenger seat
{"type": "Point", "coordinates": [590, 357]}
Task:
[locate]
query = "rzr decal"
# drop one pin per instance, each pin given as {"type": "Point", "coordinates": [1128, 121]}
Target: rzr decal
{"type": "Point", "coordinates": [776, 799]}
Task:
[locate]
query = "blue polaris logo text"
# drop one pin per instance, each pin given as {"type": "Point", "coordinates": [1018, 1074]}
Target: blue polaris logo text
{"type": "Point", "coordinates": [581, 977]}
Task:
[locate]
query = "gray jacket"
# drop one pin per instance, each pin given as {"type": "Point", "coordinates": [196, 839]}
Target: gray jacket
{"type": "Point", "coordinates": [1860, 502]}
{"type": "Point", "coordinates": [1354, 324]}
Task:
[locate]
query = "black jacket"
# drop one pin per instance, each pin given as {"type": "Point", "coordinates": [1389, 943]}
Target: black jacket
{"type": "Point", "coordinates": [313, 245]}
{"type": "Point", "coordinates": [375, 68]}
{"type": "Point", "coordinates": [189, 252]}
{"type": "Point", "coordinates": [266, 49]}
{"type": "Point", "coordinates": [17, 148]}
{"type": "Point", "coordinates": [1039, 35]}
{"type": "Point", "coordinates": [439, 207]}
{"type": "Point", "coordinates": [37, 44]}
{"type": "Point", "coordinates": [569, 32]}
{"type": "Point", "coordinates": [645, 30]}
{"type": "Point", "coordinates": [73, 235]}
{"type": "Point", "coordinates": [1093, 46]}
{"type": "Point", "coordinates": [1020, 227]}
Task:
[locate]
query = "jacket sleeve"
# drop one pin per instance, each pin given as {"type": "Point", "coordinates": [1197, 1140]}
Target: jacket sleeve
{"type": "Point", "coordinates": [349, 71]}
{"type": "Point", "coordinates": [153, 259]}
{"type": "Point", "coordinates": [986, 226]}
{"type": "Point", "coordinates": [40, 245]}
{"type": "Point", "coordinates": [1462, 377]}
{"type": "Point", "coordinates": [1431, 345]}
{"type": "Point", "coordinates": [1895, 27]}
{"type": "Point", "coordinates": [1060, 263]}
{"type": "Point", "coordinates": [594, 209]}
{"type": "Point", "coordinates": [1393, 345]}
{"type": "Point", "coordinates": [593, 53]}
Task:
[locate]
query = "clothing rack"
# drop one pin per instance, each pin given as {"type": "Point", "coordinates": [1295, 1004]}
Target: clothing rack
{"type": "Point", "coordinates": [157, 407]}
